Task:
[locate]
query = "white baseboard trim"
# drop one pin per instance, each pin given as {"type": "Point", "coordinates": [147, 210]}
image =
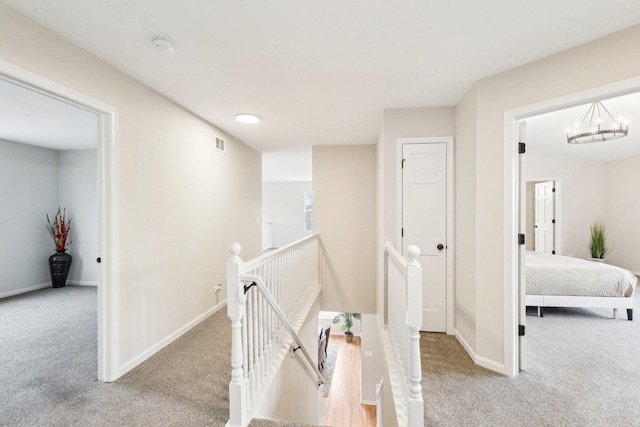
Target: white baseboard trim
{"type": "Point", "coordinates": [490, 364]}
{"type": "Point", "coordinates": [479, 360]}
{"type": "Point", "coordinates": [465, 345]}
{"type": "Point", "coordinates": [82, 283]}
{"type": "Point", "coordinates": [25, 290]}
{"type": "Point", "coordinates": [166, 341]}
{"type": "Point", "coordinates": [368, 402]}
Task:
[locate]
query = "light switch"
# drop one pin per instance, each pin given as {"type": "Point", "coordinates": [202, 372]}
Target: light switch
{"type": "Point", "coordinates": [368, 353]}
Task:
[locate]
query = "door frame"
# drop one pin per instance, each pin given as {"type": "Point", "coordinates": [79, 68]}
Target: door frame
{"type": "Point", "coordinates": [557, 200]}
{"type": "Point", "coordinates": [107, 170]}
{"type": "Point", "coordinates": [449, 243]}
{"type": "Point", "coordinates": [511, 199]}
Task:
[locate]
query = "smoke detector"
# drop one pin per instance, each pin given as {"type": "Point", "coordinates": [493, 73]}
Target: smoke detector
{"type": "Point", "coordinates": [164, 45]}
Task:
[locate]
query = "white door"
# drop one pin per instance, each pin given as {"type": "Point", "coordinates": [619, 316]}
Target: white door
{"type": "Point", "coordinates": [424, 224]}
{"type": "Point", "coordinates": [545, 217]}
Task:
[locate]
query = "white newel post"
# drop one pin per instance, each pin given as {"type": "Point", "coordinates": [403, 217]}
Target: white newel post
{"type": "Point", "coordinates": [236, 311]}
{"type": "Point", "coordinates": [414, 322]}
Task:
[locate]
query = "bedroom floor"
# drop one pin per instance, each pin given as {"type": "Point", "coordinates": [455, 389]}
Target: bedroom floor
{"type": "Point", "coordinates": [584, 369]}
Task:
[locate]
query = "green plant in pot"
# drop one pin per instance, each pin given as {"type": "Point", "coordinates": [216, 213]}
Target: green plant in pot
{"type": "Point", "coordinates": [598, 241]}
{"type": "Point", "coordinates": [348, 323]}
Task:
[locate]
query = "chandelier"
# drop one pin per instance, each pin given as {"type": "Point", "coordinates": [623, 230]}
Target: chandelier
{"type": "Point", "coordinates": [591, 129]}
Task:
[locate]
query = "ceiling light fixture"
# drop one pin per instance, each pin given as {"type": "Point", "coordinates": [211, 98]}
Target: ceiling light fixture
{"type": "Point", "coordinates": [593, 130]}
{"type": "Point", "coordinates": [164, 45]}
{"type": "Point", "coordinates": [247, 118]}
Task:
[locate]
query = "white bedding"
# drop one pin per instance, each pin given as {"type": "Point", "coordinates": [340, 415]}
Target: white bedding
{"type": "Point", "coordinates": [560, 275]}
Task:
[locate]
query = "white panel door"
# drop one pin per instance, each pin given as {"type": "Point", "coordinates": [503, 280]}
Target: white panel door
{"type": "Point", "coordinates": [544, 217]}
{"type": "Point", "coordinates": [424, 224]}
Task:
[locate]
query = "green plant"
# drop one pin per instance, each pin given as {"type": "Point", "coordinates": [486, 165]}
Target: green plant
{"type": "Point", "coordinates": [598, 240]}
{"type": "Point", "coordinates": [348, 321]}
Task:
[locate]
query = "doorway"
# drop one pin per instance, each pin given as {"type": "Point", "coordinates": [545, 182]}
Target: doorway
{"type": "Point", "coordinates": [512, 284]}
{"type": "Point", "coordinates": [107, 206]}
{"type": "Point", "coordinates": [543, 216]}
{"type": "Point", "coordinates": [425, 207]}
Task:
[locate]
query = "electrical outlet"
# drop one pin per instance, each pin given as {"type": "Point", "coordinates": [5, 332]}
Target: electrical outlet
{"type": "Point", "coordinates": [368, 353]}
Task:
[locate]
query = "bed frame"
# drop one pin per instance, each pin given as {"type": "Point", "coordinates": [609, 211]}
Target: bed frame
{"type": "Point", "coordinates": [542, 301]}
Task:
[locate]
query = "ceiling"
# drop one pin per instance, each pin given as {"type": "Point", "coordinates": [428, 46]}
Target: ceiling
{"type": "Point", "coordinates": [548, 131]}
{"type": "Point", "coordinates": [32, 118]}
{"type": "Point", "coordinates": [322, 72]}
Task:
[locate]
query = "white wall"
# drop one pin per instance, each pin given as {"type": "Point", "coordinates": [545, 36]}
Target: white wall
{"type": "Point", "coordinates": [181, 202]}
{"type": "Point", "coordinates": [282, 212]}
{"type": "Point", "coordinates": [372, 358]}
{"type": "Point", "coordinates": [78, 192]}
{"type": "Point", "coordinates": [344, 187]}
{"type": "Point", "coordinates": [29, 189]}
{"type": "Point", "coordinates": [291, 165]}
{"type": "Point", "coordinates": [465, 198]}
{"type": "Point", "coordinates": [582, 191]}
{"type": "Point", "coordinates": [622, 216]}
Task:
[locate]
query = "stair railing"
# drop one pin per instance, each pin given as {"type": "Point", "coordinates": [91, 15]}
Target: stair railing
{"type": "Point", "coordinates": [268, 299]}
{"type": "Point", "coordinates": [403, 318]}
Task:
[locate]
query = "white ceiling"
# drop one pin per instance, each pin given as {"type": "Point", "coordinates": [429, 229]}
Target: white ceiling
{"type": "Point", "coordinates": [548, 131]}
{"type": "Point", "coordinates": [32, 118]}
{"type": "Point", "coordinates": [322, 72]}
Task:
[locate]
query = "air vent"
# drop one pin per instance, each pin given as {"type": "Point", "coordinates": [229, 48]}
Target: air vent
{"type": "Point", "coordinates": [220, 144]}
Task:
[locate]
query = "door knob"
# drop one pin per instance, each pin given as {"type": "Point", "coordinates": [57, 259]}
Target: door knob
{"type": "Point", "coordinates": [440, 246]}
{"type": "Point", "coordinates": [98, 260]}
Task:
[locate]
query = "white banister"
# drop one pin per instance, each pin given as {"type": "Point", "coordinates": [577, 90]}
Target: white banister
{"type": "Point", "coordinates": [269, 298]}
{"type": "Point", "coordinates": [403, 319]}
{"type": "Point", "coordinates": [236, 311]}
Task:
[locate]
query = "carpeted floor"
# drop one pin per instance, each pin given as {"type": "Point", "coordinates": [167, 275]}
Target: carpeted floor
{"type": "Point", "coordinates": [48, 342]}
{"type": "Point", "coordinates": [185, 384]}
{"type": "Point", "coordinates": [584, 370]}
{"type": "Point", "coordinates": [329, 367]}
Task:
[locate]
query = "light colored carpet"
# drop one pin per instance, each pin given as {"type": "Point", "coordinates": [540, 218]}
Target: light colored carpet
{"type": "Point", "coordinates": [48, 342]}
{"type": "Point", "coordinates": [329, 367]}
{"type": "Point", "coordinates": [584, 370]}
{"type": "Point", "coordinates": [185, 384]}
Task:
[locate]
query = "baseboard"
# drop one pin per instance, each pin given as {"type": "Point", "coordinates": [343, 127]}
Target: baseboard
{"type": "Point", "coordinates": [166, 341]}
{"type": "Point", "coordinates": [25, 290]}
{"type": "Point", "coordinates": [368, 402]}
{"type": "Point", "coordinates": [465, 345]}
{"type": "Point", "coordinates": [479, 360]}
{"type": "Point", "coordinates": [489, 364]}
{"type": "Point", "coordinates": [82, 283]}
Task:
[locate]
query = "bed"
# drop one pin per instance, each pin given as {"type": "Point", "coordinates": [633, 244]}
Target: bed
{"type": "Point", "coordinates": [560, 281]}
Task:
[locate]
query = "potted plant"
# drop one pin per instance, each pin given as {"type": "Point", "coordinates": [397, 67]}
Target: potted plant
{"type": "Point", "coordinates": [598, 242]}
{"type": "Point", "coordinates": [348, 323]}
{"type": "Point", "coordinates": [60, 262]}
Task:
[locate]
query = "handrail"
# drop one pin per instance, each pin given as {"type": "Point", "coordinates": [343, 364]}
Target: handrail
{"type": "Point", "coordinates": [255, 262]}
{"type": "Point", "coordinates": [395, 255]}
{"type": "Point", "coordinates": [257, 280]}
{"type": "Point", "coordinates": [289, 279]}
{"type": "Point", "coordinates": [403, 319]}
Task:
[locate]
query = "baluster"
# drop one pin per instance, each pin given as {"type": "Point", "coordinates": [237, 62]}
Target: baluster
{"type": "Point", "coordinates": [236, 311]}
{"type": "Point", "coordinates": [414, 320]}
{"type": "Point", "coordinates": [256, 345]}
{"type": "Point", "coordinates": [250, 358]}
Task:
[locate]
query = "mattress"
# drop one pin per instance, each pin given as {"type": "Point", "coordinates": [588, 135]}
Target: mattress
{"type": "Point", "coordinates": [561, 275]}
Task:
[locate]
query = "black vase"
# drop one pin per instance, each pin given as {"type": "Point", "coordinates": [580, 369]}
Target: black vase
{"type": "Point", "coordinates": [59, 264]}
